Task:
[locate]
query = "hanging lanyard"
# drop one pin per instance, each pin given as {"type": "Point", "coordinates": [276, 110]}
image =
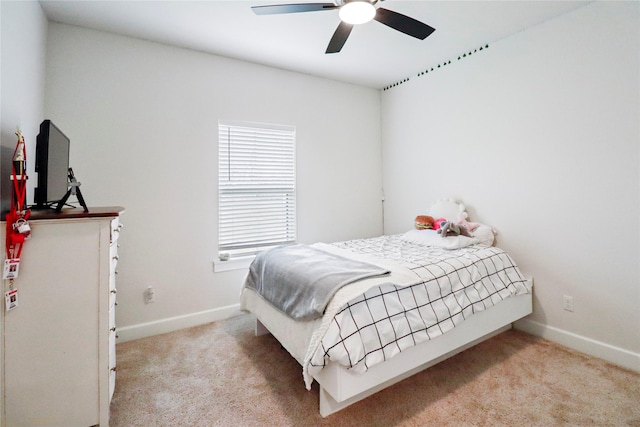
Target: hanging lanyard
{"type": "Point", "coordinates": [17, 225]}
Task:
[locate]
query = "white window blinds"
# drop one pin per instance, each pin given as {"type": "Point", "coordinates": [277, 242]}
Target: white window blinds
{"type": "Point", "coordinates": [256, 187]}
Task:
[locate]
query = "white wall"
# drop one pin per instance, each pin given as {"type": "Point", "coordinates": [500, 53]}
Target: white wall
{"type": "Point", "coordinates": [23, 39]}
{"type": "Point", "coordinates": [23, 30]}
{"type": "Point", "coordinates": [142, 118]}
{"type": "Point", "coordinates": [539, 136]}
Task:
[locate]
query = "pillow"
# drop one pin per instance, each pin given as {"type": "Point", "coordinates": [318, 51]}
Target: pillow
{"type": "Point", "coordinates": [484, 234]}
{"type": "Point", "coordinates": [448, 209]}
{"type": "Point", "coordinates": [432, 238]}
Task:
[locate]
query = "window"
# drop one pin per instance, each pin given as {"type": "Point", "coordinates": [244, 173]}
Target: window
{"type": "Point", "coordinates": [256, 187]}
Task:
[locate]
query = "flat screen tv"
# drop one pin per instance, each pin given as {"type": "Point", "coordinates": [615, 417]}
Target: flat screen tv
{"type": "Point", "coordinates": [52, 166]}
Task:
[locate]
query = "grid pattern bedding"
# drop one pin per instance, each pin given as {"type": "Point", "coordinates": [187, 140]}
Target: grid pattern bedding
{"type": "Point", "coordinates": [450, 286]}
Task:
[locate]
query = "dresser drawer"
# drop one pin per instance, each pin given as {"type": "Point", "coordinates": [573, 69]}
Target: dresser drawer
{"type": "Point", "coordinates": [113, 258]}
{"type": "Point", "coordinates": [116, 226]}
{"type": "Point", "coordinates": [112, 351]}
{"type": "Point", "coordinates": [113, 294]}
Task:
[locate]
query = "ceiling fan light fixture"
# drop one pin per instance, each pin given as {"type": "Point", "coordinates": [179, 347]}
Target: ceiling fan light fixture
{"type": "Point", "coordinates": [357, 12]}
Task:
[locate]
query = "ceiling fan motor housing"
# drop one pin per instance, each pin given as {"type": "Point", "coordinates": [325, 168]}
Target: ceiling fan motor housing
{"type": "Point", "coordinates": [356, 12]}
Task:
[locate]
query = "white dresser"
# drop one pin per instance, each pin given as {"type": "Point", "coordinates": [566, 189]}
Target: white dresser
{"type": "Point", "coordinates": [59, 363]}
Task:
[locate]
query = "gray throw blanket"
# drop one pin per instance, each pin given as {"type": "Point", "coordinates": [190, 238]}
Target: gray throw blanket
{"type": "Point", "coordinates": [301, 280]}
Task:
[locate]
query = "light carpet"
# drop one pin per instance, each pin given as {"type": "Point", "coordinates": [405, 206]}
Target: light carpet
{"type": "Point", "coordinates": [220, 374]}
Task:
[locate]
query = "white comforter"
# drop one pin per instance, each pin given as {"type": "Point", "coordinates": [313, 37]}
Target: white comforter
{"type": "Point", "coordinates": [434, 290]}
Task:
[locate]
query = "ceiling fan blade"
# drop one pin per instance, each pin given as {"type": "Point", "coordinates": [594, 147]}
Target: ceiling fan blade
{"type": "Point", "coordinates": [339, 37]}
{"type": "Point", "coordinates": [292, 8]}
{"type": "Point", "coordinates": [403, 23]}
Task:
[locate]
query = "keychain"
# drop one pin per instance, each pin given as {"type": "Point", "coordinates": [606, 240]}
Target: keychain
{"type": "Point", "coordinates": [22, 227]}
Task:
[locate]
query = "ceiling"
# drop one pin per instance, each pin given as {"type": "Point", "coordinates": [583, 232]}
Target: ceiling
{"type": "Point", "coordinates": [374, 55]}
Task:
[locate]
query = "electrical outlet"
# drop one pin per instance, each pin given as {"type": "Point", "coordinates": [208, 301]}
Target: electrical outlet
{"type": "Point", "coordinates": [149, 295]}
{"type": "Point", "coordinates": [567, 303]}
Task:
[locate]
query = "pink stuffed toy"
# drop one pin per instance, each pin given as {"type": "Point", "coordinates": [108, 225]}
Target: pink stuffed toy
{"type": "Point", "coordinates": [437, 224]}
{"type": "Point", "coordinates": [468, 225]}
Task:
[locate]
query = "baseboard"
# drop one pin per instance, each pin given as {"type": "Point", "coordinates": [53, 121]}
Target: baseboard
{"type": "Point", "coordinates": [616, 355]}
{"type": "Point", "coordinates": [612, 354]}
{"type": "Point", "coordinates": [162, 326]}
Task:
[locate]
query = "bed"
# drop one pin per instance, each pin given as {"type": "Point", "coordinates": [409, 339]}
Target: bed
{"type": "Point", "coordinates": [412, 300]}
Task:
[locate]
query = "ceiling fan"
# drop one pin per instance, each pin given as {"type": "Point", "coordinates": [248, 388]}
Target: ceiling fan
{"type": "Point", "coordinates": [353, 12]}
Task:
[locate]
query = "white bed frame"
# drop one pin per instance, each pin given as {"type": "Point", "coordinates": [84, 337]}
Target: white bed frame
{"type": "Point", "coordinates": [340, 387]}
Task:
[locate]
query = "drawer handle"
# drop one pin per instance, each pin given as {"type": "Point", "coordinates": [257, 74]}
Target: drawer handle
{"type": "Point", "coordinates": [115, 257]}
{"type": "Point", "coordinates": [113, 329]}
{"type": "Point", "coordinates": [114, 368]}
{"type": "Point", "coordinates": [114, 291]}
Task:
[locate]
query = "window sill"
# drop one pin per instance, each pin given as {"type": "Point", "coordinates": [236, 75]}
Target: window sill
{"type": "Point", "coordinates": [232, 264]}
